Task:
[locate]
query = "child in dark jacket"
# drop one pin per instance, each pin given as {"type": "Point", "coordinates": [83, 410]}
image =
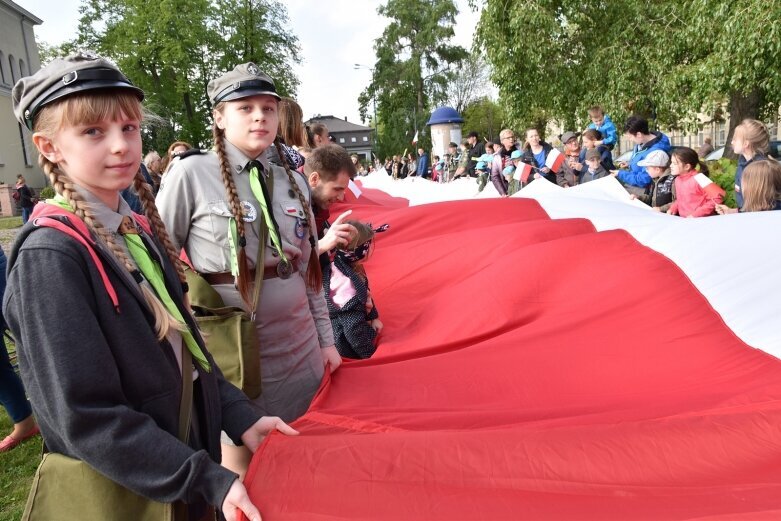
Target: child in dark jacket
{"type": "Point", "coordinates": [590, 139]}
{"type": "Point", "coordinates": [593, 167]}
{"type": "Point", "coordinates": [354, 316]}
{"type": "Point", "coordinates": [660, 194]}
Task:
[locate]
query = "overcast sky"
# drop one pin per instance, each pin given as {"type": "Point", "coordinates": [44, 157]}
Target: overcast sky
{"type": "Point", "coordinates": [334, 36]}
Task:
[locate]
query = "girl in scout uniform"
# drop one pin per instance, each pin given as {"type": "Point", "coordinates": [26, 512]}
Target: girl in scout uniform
{"type": "Point", "coordinates": [217, 204]}
{"type": "Point", "coordinates": [95, 302]}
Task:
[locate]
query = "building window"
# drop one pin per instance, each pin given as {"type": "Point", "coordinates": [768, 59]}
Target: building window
{"type": "Point", "coordinates": [365, 138]}
{"type": "Point", "coordinates": [25, 155]}
{"type": "Point", "coordinates": [341, 140]}
{"type": "Point", "coordinates": [11, 66]}
{"type": "Point", "coordinates": [352, 139]}
{"type": "Point", "coordinates": [21, 68]}
{"type": "Point", "coordinates": [2, 69]}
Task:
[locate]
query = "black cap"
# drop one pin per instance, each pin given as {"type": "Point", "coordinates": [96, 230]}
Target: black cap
{"type": "Point", "coordinates": [76, 73]}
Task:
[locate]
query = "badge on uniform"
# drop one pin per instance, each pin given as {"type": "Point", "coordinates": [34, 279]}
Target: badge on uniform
{"type": "Point", "coordinates": [284, 269]}
{"type": "Point", "coordinates": [299, 228]}
{"type": "Point", "coordinates": [249, 213]}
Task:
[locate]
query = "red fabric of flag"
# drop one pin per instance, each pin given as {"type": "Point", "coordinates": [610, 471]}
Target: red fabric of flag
{"type": "Point", "coordinates": [531, 368]}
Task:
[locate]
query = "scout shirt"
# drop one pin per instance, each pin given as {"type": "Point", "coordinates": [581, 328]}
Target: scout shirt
{"type": "Point", "coordinates": [111, 220]}
{"type": "Point", "coordinates": [193, 205]}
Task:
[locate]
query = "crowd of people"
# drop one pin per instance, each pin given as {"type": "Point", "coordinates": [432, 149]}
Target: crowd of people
{"type": "Point", "coordinates": [671, 179]}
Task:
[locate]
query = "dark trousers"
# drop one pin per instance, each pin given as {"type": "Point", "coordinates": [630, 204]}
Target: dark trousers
{"type": "Point", "coordinates": [12, 394]}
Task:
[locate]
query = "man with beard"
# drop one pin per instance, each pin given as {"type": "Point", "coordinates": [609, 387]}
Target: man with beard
{"type": "Point", "coordinates": [328, 170]}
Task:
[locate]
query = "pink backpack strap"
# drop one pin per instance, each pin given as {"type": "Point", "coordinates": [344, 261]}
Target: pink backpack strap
{"type": "Point", "coordinates": [48, 219]}
{"type": "Point", "coordinates": [143, 222]}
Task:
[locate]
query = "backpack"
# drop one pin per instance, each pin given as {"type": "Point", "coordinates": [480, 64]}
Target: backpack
{"type": "Point", "coordinates": [52, 216]}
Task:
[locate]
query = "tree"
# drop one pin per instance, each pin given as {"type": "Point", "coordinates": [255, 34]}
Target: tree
{"type": "Point", "coordinates": [413, 55]}
{"type": "Point", "coordinates": [669, 61]}
{"type": "Point", "coordinates": [734, 56]}
{"type": "Point", "coordinates": [558, 57]}
{"type": "Point", "coordinates": [468, 84]}
{"type": "Point", "coordinates": [174, 49]}
{"type": "Point", "coordinates": [486, 117]}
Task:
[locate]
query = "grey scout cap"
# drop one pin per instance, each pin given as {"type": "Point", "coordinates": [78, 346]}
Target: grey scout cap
{"type": "Point", "coordinates": [243, 81]}
{"type": "Point", "coordinates": [78, 72]}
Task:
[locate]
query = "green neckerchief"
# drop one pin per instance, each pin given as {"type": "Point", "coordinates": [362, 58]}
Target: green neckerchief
{"type": "Point", "coordinates": [153, 273]}
{"type": "Point", "coordinates": [273, 231]}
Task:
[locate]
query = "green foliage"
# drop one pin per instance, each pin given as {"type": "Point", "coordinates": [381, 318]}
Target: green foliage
{"type": "Point", "coordinates": [486, 117]}
{"type": "Point", "coordinates": [413, 58]}
{"type": "Point", "coordinates": [667, 61]}
{"type": "Point", "coordinates": [47, 192]}
{"type": "Point", "coordinates": [722, 172]}
{"type": "Point", "coordinates": [174, 49]}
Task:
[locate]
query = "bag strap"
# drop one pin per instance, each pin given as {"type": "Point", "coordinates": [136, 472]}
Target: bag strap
{"type": "Point", "coordinates": [186, 404]}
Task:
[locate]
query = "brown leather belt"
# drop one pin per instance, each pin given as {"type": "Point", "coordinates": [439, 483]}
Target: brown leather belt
{"type": "Point", "coordinates": [269, 272]}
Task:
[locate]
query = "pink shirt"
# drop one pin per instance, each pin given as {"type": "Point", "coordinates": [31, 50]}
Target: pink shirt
{"type": "Point", "coordinates": [696, 195]}
{"type": "Point", "coordinates": [342, 289]}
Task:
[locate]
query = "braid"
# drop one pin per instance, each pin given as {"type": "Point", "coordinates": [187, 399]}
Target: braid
{"type": "Point", "coordinates": [151, 213]}
{"type": "Point", "coordinates": [243, 282]}
{"type": "Point", "coordinates": [314, 275]}
{"type": "Point", "coordinates": [62, 184]}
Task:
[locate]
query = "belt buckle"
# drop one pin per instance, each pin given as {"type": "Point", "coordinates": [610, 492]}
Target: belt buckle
{"type": "Point", "coordinates": [284, 269]}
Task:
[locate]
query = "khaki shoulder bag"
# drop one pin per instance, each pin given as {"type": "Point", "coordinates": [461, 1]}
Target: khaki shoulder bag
{"type": "Point", "coordinates": [68, 489]}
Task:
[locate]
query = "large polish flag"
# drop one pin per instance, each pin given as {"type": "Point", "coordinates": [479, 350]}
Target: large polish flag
{"type": "Point", "coordinates": [562, 354]}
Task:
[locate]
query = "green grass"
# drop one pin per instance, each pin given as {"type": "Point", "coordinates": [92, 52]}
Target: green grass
{"type": "Point", "coordinates": [16, 469]}
{"type": "Point", "coordinates": [7, 223]}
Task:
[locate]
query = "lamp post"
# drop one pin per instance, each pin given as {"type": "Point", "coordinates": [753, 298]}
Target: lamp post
{"type": "Point", "coordinates": [374, 106]}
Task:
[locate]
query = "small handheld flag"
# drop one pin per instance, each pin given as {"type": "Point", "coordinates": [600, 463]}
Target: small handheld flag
{"type": "Point", "coordinates": [522, 172]}
{"type": "Point", "coordinates": [554, 160]}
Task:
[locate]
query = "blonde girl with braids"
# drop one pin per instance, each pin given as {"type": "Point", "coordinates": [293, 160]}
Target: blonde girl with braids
{"type": "Point", "coordinates": [213, 206]}
{"type": "Point", "coordinates": [95, 301]}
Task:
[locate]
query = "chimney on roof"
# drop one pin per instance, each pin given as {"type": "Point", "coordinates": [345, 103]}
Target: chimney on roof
{"type": "Point", "coordinates": [345, 118]}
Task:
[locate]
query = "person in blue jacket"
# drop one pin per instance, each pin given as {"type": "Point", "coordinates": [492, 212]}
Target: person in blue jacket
{"type": "Point", "coordinates": [636, 128]}
{"type": "Point", "coordinates": [602, 122]}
